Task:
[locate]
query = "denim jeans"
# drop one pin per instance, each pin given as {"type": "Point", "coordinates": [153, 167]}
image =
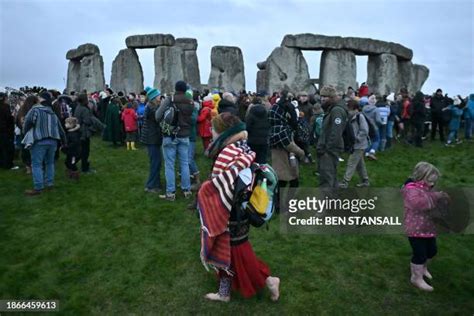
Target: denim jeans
{"type": "Point", "coordinates": [374, 142]}
{"type": "Point", "coordinates": [43, 155]}
{"type": "Point", "coordinates": [171, 147]}
{"type": "Point", "coordinates": [390, 125]}
{"type": "Point", "coordinates": [154, 156]}
{"type": "Point", "coordinates": [382, 137]}
{"type": "Point", "coordinates": [468, 128]}
{"type": "Point", "coordinates": [193, 169]}
{"type": "Point", "coordinates": [452, 136]}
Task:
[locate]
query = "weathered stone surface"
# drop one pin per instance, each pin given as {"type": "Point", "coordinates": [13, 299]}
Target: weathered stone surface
{"type": "Point", "coordinates": [338, 68]}
{"type": "Point", "coordinates": [287, 69]}
{"type": "Point", "coordinates": [262, 65]}
{"type": "Point", "coordinates": [169, 67]}
{"type": "Point", "coordinates": [191, 69]}
{"type": "Point", "coordinates": [187, 43]}
{"type": "Point", "coordinates": [262, 83]}
{"type": "Point", "coordinates": [227, 69]}
{"type": "Point", "coordinates": [382, 74]}
{"type": "Point", "coordinates": [92, 73]}
{"type": "Point", "coordinates": [82, 51]}
{"type": "Point", "coordinates": [412, 76]}
{"type": "Point", "coordinates": [419, 75]}
{"type": "Point", "coordinates": [360, 46]}
{"type": "Point", "coordinates": [405, 70]}
{"type": "Point", "coordinates": [73, 73]}
{"type": "Point", "coordinates": [149, 40]}
{"type": "Point", "coordinates": [127, 73]}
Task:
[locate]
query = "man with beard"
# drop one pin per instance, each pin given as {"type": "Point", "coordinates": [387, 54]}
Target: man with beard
{"type": "Point", "coordinates": [330, 144]}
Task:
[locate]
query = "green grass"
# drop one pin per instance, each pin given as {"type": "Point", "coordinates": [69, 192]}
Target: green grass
{"type": "Point", "coordinates": [103, 246]}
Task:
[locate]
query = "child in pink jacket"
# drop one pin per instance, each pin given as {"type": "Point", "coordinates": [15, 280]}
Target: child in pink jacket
{"type": "Point", "coordinates": [419, 200]}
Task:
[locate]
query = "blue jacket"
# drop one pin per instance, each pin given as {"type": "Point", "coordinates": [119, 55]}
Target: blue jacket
{"type": "Point", "coordinates": [456, 114]}
{"type": "Point", "coordinates": [469, 109]}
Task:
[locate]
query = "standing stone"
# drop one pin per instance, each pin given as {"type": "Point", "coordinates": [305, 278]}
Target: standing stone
{"type": "Point", "coordinates": [227, 69]}
{"type": "Point", "coordinates": [419, 75]}
{"type": "Point", "coordinates": [412, 76]}
{"type": "Point", "coordinates": [191, 69]}
{"type": "Point", "coordinates": [382, 74]}
{"type": "Point", "coordinates": [187, 43]}
{"type": "Point", "coordinates": [405, 70]}
{"type": "Point", "coordinates": [127, 74]}
{"type": "Point", "coordinates": [73, 76]}
{"type": "Point", "coordinates": [339, 69]}
{"type": "Point", "coordinates": [169, 67]}
{"type": "Point", "coordinates": [92, 73]}
{"type": "Point", "coordinates": [286, 68]}
{"type": "Point", "coordinates": [262, 83]}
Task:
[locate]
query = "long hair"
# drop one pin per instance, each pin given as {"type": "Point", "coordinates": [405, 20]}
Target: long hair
{"type": "Point", "coordinates": [424, 171]}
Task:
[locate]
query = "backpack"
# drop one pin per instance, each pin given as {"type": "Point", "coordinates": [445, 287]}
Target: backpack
{"type": "Point", "coordinates": [169, 118]}
{"type": "Point", "coordinates": [372, 127]}
{"type": "Point", "coordinates": [349, 138]}
{"type": "Point", "coordinates": [255, 194]}
{"type": "Point", "coordinates": [318, 125]}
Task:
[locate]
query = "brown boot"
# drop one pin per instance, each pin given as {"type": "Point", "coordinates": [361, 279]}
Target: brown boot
{"type": "Point", "coordinates": [197, 182]}
{"type": "Point", "coordinates": [32, 192]}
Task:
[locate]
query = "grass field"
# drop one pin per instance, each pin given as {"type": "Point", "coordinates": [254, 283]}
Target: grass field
{"type": "Point", "coordinates": [103, 246]}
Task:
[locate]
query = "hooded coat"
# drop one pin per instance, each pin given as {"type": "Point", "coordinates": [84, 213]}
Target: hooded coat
{"type": "Point", "coordinates": [258, 125]}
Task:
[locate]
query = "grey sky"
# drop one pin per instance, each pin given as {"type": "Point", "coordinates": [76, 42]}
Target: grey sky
{"type": "Point", "coordinates": [35, 35]}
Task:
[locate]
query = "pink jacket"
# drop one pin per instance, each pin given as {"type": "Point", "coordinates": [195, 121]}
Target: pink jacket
{"type": "Point", "coordinates": [129, 118]}
{"type": "Point", "coordinates": [418, 201]}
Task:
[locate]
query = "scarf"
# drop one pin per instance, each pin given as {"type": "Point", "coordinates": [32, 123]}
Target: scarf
{"type": "Point", "coordinates": [216, 146]}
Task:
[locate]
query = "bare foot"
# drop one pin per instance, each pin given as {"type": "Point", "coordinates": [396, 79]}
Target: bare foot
{"type": "Point", "coordinates": [217, 297]}
{"type": "Point", "coordinates": [273, 284]}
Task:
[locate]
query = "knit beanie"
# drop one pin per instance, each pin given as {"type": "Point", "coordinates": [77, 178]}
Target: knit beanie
{"type": "Point", "coordinates": [180, 86]}
{"type": "Point", "coordinates": [152, 93]}
{"type": "Point", "coordinates": [224, 121]}
{"type": "Point", "coordinates": [328, 91]}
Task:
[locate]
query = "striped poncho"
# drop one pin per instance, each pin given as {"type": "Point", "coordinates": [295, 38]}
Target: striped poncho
{"type": "Point", "coordinates": [215, 200]}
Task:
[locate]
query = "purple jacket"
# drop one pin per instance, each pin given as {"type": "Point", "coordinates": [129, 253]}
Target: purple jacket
{"type": "Point", "coordinates": [418, 201]}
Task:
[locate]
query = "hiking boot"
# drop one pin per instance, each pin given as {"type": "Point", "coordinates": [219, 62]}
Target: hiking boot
{"type": "Point", "coordinates": [343, 184]}
{"type": "Point", "coordinates": [371, 157]}
{"type": "Point", "coordinates": [168, 197]}
{"type": "Point", "coordinates": [32, 192]}
{"type": "Point", "coordinates": [187, 194]}
{"type": "Point", "coordinates": [363, 184]}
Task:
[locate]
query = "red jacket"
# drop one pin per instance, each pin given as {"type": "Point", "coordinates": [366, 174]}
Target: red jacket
{"type": "Point", "coordinates": [204, 119]}
{"type": "Point", "coordinates": [129, 118]}
{"type": "Point", "coordinates": [363, 91]}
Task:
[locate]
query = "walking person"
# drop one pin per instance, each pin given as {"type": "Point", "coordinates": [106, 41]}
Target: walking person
{"type": "Point", "coordinates": [43, 129]}
{"type": "Point", "coordinates": [356, 159]}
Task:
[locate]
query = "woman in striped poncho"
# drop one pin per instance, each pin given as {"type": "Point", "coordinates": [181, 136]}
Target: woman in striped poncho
{"type": "Point", "coordinates": [224, 234]}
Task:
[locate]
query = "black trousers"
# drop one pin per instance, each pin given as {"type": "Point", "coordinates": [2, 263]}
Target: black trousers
{"type": "Point", "coordinates": [418, 133]}
{"type": "Point", "coordinates": [437, 123]}
{"type": "Point", "coordinates": [261, 152]}
{"type": "Point", "coordinates": [85, 151]}
{"type": "Point", "coordinates": [7, 151]}
{"type": "Point", "coordinates": [423, 249]}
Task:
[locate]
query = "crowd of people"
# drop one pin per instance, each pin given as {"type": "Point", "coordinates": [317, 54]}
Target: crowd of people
{"type": "Point", "coordinates": [235, 129]}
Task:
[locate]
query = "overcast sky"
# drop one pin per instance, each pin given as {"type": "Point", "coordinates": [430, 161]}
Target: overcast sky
{"type": "Point", "coordinates": [35, 35]}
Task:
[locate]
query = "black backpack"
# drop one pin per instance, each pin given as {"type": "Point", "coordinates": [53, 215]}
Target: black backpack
{"type": "Point", "coordinates": [169, 119]}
